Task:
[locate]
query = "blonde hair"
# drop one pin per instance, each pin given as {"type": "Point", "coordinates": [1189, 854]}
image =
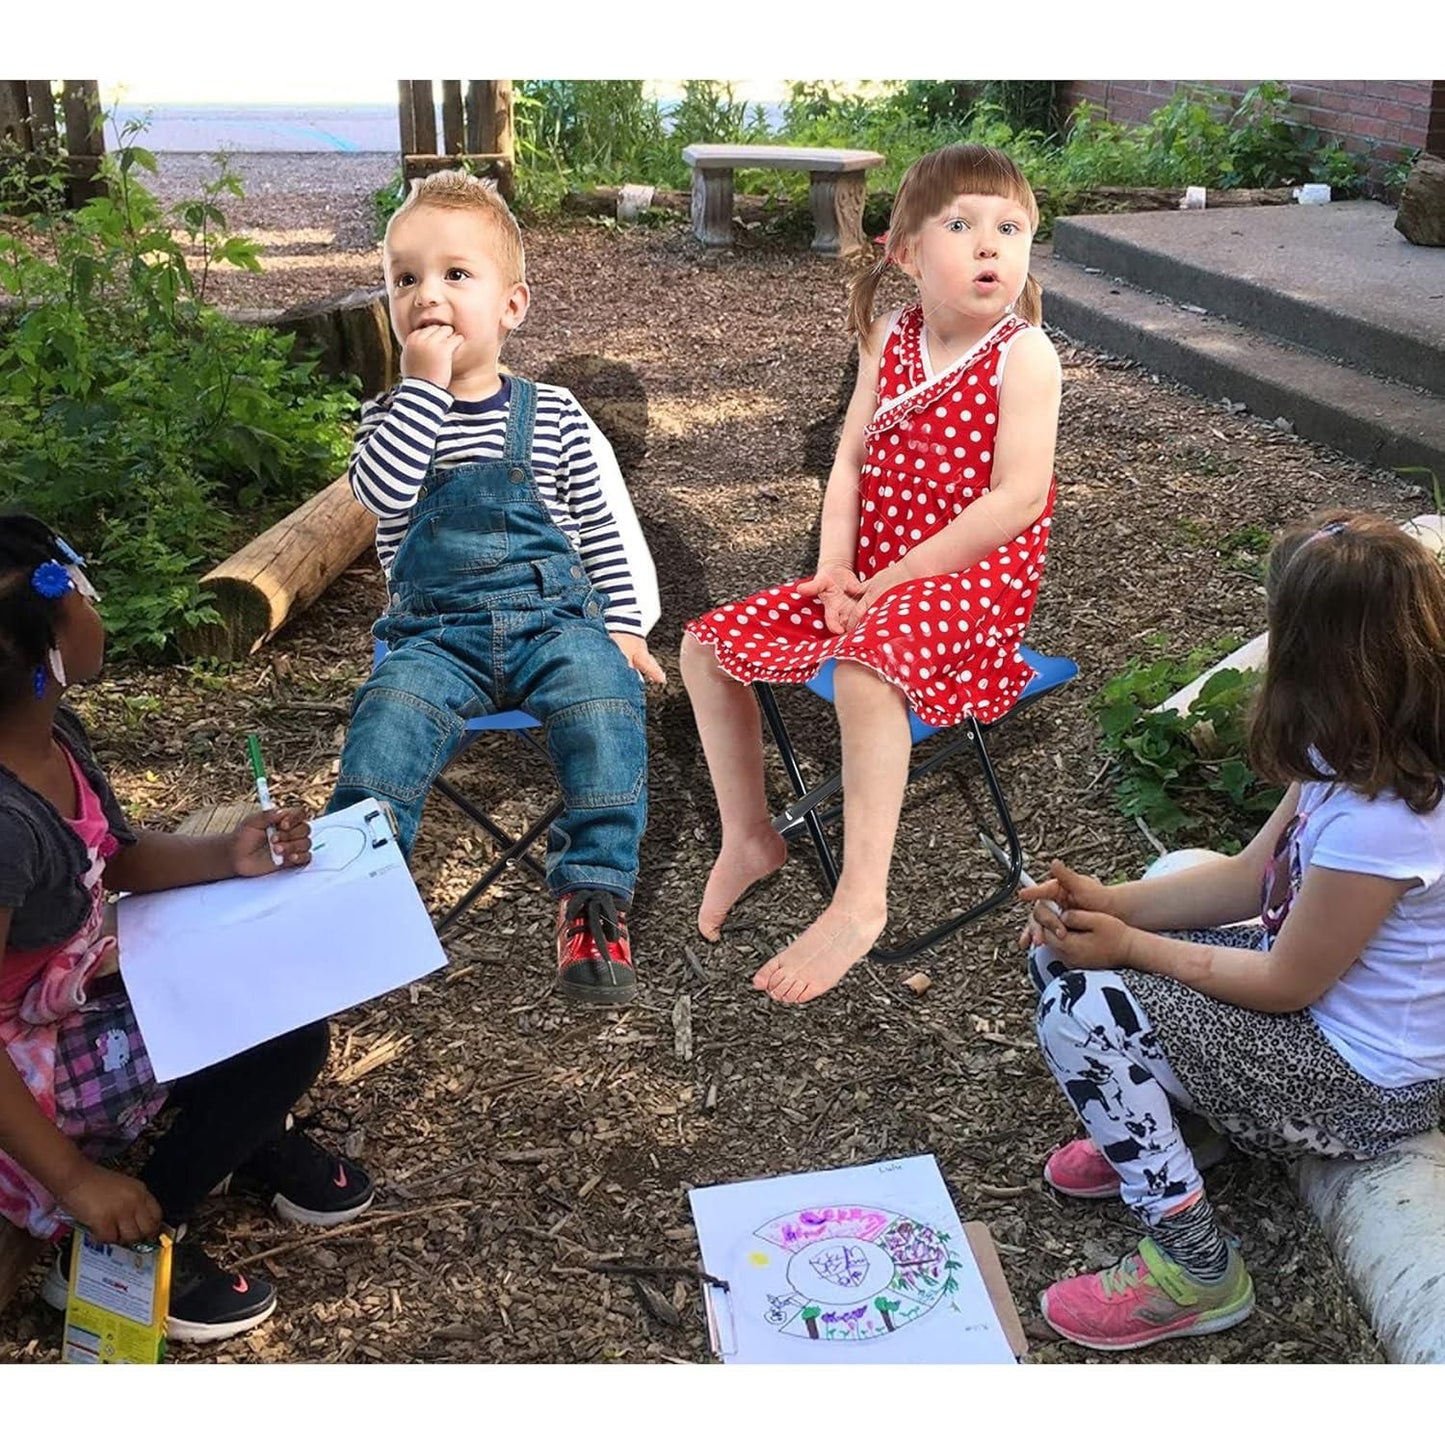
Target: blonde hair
{"type": "Point", "coordinates": [929, 184]}
{"type": "Point", "coordinates": [457, 191]}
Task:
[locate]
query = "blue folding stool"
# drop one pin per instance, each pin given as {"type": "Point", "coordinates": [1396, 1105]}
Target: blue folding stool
{"type": "Point", "coordinates": [514, 850]}
{"type": "Point", "coordinates": [807, 814]}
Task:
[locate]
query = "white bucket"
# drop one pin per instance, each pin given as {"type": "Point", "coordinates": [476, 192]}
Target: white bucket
{"type": "Point", "coordinates": [1312, 195]}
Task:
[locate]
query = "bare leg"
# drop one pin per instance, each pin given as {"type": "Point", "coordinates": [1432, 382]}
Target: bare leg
{"type": "Point", "coordinates": [873, 718]}
{"type": "Point", "coordinates": [732, 741]}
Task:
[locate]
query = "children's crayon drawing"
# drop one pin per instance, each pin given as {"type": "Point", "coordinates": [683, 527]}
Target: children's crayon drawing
{"type": "Point", "coordinates": [854, 1272]}
{"type": "Point", "coordinates": [846, 1266]}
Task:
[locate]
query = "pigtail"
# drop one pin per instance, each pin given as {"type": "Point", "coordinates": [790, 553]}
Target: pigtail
{"type": "Point", "coordinates": [27, 619]}
{"type": "Point", "coordinates": [1030, 305]}
{"type": "Point", "coordinates": [862, 288]}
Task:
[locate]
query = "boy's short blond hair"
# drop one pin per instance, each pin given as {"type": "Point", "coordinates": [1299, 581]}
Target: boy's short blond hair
{"type": "Point", "coordinates": [457, 191]}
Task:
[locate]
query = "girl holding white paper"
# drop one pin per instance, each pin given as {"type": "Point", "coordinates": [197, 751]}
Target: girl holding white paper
{"type": "Point", "coordinates": [76, 1086]}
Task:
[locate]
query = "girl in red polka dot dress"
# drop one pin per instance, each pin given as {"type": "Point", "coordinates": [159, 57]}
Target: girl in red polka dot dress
{"type": "Point", "coordinates": [935, 527]}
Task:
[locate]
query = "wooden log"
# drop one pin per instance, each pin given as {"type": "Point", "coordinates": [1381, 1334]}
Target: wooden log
{"type": "Point", "coordinates": [1421, 217]}
{"type": "Point", "coordinates": [281, 572]}
{"type": "Point", "coordinates": [498, 167]}
{"type": "Point", "coordinates": [351, 333]}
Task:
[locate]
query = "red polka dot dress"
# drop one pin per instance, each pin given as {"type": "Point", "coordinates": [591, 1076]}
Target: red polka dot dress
{"type": "Point", "coordinates": [949, 642]}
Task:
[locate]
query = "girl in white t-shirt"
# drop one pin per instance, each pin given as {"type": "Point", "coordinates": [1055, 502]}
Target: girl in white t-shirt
{"type": "Point", "coordinates": [1320, 1030]}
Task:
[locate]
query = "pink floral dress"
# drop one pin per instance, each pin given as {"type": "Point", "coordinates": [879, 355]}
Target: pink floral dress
{"type": "Point", "coordinates": [76, 1047]}
{"type": "Point", "coordinates": [949, 642]}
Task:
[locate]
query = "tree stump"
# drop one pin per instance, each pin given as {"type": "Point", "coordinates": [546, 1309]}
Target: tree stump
{"type": "Point", "coordinates": [1421, 217]}
{"type": "Point", "coordinates": [281, 572]}
{"type": "Point", "coordinates": [352, 334]}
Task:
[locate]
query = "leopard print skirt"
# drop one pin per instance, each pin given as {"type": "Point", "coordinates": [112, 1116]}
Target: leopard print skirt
{"type": "Point", "coordinates": [1273, 1082]}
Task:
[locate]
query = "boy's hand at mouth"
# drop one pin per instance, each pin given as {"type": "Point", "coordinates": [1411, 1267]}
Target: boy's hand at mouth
{"type": "Point", "coordinates": [428, 352]}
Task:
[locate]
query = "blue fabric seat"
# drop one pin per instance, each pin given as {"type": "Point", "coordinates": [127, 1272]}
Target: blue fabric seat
{"type": "Point", "coordinates": [514, 850]}
{"type": "Point", "coordinates": [808, 814]}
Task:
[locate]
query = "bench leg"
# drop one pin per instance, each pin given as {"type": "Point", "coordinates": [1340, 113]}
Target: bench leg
{"type": "Point", "coordinates": [837, 202]}
{"type": "Point", "coordinates": [712, 206]}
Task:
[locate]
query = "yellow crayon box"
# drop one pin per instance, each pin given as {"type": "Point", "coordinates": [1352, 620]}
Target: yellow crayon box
{"type": "Point", "coordinates": [115, 1313]}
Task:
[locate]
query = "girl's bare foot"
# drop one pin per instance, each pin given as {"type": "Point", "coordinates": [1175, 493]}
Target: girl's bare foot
{"type": "Point", "coordinates": [737, 868]}
{"type": "Point", "coordinates": [821, 954]}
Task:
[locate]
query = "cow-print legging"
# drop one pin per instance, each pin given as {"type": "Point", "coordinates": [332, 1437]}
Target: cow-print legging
{"type": "Point", "coordinates": [1098, 1044]}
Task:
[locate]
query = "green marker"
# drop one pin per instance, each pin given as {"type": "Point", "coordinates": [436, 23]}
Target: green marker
{"type": "Point", "coordinates": [263, 789]}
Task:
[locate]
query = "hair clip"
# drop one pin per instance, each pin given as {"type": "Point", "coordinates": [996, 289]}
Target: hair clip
{"type": "Point", "coordinates": [52, 580]}
{"type": "Point", "coordinates": [69, 552]}
{"type": "Point", "coordinates": [1330, 529]}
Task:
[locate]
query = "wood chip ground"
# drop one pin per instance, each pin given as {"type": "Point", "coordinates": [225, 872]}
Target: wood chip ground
{"type": "Point", "coordinates": [520, 1144]}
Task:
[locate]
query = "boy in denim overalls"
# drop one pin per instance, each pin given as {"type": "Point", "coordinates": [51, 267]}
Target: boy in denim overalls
{"type": "Point", "coordinates": [517, 574]}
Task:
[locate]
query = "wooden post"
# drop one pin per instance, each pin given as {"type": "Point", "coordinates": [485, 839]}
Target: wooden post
{"type": "Point", "coordinates": [15, 114]}
{"type": "Point", "coordinates": [496, 137]}
{"type": "Point", "coordinates": [476, 99]}
{"type": "Point", "coordinates": [424, 117]}
{"type": "Point", "coordinates": [406, 117]}
{"type": "Point", "coordinates": [84, 143]}
{"type": "Point", "coordinates": [453, 139]}
{"type": "Point", "coordinates": [42, 114]}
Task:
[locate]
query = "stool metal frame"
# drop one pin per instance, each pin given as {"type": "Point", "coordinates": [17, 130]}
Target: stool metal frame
{"type": "Point", "coordinates": [808, 814]}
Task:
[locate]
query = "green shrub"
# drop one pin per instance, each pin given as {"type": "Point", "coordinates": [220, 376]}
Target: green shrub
{"type": "Point", "coordinates": [136, 418]}
{"type": "Point", "coordinates": [1186, 776]}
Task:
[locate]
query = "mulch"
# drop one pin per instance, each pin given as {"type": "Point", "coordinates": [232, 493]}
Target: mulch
{"type": "Point", "coordinates": [520, 1144]}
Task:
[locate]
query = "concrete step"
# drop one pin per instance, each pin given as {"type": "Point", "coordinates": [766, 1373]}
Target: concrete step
{"type": "Point", "coordinates": [1381, 423]}
{"type": "Point", "coordinates": [1336, 279]}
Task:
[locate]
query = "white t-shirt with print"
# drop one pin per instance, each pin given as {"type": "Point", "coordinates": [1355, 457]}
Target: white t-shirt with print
{"type": "Point", "coordinates": [1386, 1016]}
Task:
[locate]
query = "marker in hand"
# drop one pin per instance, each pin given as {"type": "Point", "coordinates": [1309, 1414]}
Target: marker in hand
{"type": "Point", "coordinates": [1026, 880]}
{"type": "Point", "coordinates": [263, 789]}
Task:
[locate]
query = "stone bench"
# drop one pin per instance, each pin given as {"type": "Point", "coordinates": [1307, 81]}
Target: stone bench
{"type": "Point", "coordinates": [836, 194]}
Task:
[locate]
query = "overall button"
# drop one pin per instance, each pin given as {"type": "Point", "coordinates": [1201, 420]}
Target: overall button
{"type": "Point", "coordinates": [577, 572]}
{"type": "Point", "coordinates": [396, 599]}
{"type": "Point", "coordinates": [517, 474]}
{"type": "Point", "coordinates": [593, 609]}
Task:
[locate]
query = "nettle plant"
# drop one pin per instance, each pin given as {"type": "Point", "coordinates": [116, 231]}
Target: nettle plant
{"type": "Point", "coordinates": [136, 418]}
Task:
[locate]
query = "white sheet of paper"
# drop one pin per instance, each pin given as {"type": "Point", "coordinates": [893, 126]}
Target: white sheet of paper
{"type": "Point", "coordinates": [867, 1265]}
{"type": "Point", "coordinates": [218, 968]}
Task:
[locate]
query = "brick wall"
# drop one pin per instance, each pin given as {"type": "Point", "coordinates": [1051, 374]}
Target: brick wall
{"type": "Point", "coordinates": [1382, 119]}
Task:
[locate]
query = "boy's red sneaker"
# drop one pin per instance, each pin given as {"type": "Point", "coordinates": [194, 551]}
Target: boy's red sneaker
{"type": "Point", "coordinates": [594, 954]}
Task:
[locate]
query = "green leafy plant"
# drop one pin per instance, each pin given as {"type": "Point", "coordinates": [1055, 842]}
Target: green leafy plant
{"type": "Point", "coordinates": [1186, 775]}
{"type": "Point", "coordinates": [134, 416]}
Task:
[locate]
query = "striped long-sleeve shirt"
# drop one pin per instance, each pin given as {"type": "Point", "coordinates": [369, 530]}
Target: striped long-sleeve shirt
{"type": "Point", "coordinates": [417, 423]}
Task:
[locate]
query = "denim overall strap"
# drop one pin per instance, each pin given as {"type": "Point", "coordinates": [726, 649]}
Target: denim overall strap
{"type": "Point", "coordinates": [521, 421]}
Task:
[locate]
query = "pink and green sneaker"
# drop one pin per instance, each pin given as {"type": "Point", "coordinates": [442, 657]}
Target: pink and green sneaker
{"type": "Point", "coordinates": [1146, 1298]}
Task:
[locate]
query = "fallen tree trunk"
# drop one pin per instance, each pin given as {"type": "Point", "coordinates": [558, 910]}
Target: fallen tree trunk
{"type": "Point", "coordinates": [281, 572]}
